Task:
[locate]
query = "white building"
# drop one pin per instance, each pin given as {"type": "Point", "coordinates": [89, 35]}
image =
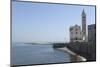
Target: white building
{"type": "Point", "coordinates": [76, 33]}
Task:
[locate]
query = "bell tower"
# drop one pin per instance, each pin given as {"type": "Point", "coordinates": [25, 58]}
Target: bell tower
{"type": "Point", "coordinates": [84, 26]}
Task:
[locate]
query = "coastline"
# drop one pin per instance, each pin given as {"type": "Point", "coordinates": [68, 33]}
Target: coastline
{"type": "Point", "coordinates": [74, 56]}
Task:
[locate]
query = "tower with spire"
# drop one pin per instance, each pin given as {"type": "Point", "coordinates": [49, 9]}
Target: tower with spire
{"type": "Point", "coordinates": [84, 26]}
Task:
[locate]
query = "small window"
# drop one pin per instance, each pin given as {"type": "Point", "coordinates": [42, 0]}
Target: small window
{"type": "Point", "coordinates": [71, 29]}
{"type": "Point", "coordinates": [76, 32]}
{"type": "Point", "coordinates": [83, 17]}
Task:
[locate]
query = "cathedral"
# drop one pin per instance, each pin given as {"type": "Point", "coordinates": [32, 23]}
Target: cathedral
{"type": "Point", "coordinates": [79, 33]}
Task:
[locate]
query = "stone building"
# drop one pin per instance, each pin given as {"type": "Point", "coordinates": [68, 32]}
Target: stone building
{"type": "Point", "coordinates": [92, 41]}
{"type": "Point", "coordinates": [75, 34]}
{"type": "Point", "coordinates": [78, 34]}
{"type": "Point", "coordinates": [84, 27]}
{"type": "Point", "coordinates": [92, 33]}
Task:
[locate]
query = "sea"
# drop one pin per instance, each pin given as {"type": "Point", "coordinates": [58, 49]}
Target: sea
{"type": "Point", "coordinates": [26, 54]}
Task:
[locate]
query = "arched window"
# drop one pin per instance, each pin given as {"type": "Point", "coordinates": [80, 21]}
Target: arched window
{"type": "Point", "coordinates": [76, 38]}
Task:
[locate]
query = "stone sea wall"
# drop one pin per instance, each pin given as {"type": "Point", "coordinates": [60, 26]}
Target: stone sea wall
{"type": "Point", "coordinates": [87, 50]}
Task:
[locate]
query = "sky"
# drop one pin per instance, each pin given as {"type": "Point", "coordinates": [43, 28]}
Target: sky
{"type": "Point", "coordinates": [43, 22]}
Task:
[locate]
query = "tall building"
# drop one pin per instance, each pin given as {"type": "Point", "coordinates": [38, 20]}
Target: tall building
{"type": "Point", "coordinates": [84, 27]}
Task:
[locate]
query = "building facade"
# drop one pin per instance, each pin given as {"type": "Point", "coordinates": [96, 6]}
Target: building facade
{"type": "Point", "coordinates": [75, 34]}
{"type": "Point", "coordinates": [92, 33]}
{"type": "Point", "coordinates": [92, 41]}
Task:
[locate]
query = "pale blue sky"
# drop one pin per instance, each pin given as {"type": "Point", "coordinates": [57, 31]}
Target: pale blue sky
{"type": "Point", "coordinates": [41, 22]}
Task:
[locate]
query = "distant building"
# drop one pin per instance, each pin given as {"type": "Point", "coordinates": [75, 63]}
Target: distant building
{"type": "Point", "coordinates": [92, 41]}
{"type": "Point", "coordinates": [92, 33]}
{"type": "Point", "coordinates": [75, 34]}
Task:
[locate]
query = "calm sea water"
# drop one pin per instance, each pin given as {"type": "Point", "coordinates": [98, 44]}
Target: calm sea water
{"type": "Point", "coordinates": [23, 54]}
